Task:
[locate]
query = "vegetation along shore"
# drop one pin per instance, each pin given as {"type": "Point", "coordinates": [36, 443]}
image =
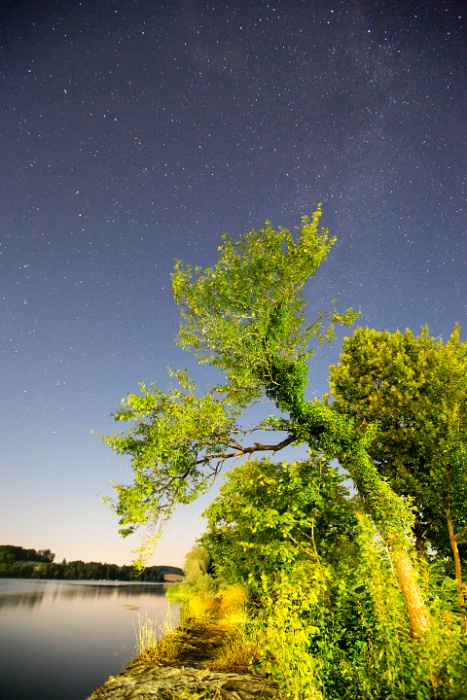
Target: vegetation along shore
{"type": "Point", "coordinates": [208, 656]}
{"type": "Point", "coordinates": [349, 560]}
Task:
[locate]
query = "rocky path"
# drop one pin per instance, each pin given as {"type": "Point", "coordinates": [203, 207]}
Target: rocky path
{"type": "Point", "coordinates": [189, 676]}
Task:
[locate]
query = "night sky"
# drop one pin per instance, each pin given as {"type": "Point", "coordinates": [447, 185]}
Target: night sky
{"type": "Point", "coordinates": [134, 133]}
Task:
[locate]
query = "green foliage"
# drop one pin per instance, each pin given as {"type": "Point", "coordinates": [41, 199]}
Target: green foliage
{"type": "Point", "coordinates": [169, 433]}
{"type": "Point", "coordinates": [323, 594]}
{"type": "Point", "coordinates": [270, 513]}
{"type": "Point", "coordinates": [9, 552]}
{"type": "Point", "coordinates": [345, 608]}
{"type": "Point", "coordinates": [246, 315]}
{"type": "Point", "coordinates": [17, 562]}
{"type": "Point", "coordinates": [288, 626]}
{"type": "Point", "coordinates": [196, 564]}
{"type": "Point", "coordinates": [415, 388]}
{"type": "Point", "coordinates": [335, 435]}
{"type": "Point", "coordinates": [279, 523]}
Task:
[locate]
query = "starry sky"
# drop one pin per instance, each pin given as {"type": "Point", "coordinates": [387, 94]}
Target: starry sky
{"type": "Point", "coordinates": [136, 132]}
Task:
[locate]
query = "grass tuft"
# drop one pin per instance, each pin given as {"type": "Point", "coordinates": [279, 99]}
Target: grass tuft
{"type": "Point", "coordinates": [238, 654]}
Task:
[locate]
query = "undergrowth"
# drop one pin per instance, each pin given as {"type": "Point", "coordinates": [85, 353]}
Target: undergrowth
{"type": "Point", "coordinates": [326, 632]}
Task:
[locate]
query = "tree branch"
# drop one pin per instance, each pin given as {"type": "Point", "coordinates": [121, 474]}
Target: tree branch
{"type": "Point", "coordinates": [256, 447]}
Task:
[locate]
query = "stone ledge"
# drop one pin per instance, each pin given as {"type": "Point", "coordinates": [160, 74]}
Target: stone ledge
{"type": "Point", "coordinates": [189, 677]}
{"type": "Point", "coordinates": [169, 683]}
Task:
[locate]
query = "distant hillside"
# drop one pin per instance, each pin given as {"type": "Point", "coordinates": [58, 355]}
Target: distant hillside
{"type": "Point", "coordinates": [170, 570]}
{"type": "Point", "coordinates": [173, 578]}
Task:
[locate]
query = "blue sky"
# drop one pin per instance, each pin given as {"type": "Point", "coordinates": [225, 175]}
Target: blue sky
{"type": "Point", "coordinates": [135, 133]}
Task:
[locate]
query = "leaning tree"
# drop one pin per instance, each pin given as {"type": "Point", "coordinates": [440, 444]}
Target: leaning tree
{"type": "Point", "coordinates": [247, 317]}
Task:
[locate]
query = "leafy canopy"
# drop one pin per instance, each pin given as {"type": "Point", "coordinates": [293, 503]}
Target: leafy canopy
{"type": "Point", "coordinates": [246, 317]}
{"type": "Point", "coordinates": [270, 515]}
{"type": "Point", "coordinates": [246, 314]}
{"type": "Point", "coordinates": [415, 388]}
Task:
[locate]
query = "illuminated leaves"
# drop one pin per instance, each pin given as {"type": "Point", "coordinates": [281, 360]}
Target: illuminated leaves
{"type": "Point", "coordinates": [246, 315]}
{"type": "Point", "coordinates": [415, 389]}
{"type": "Point", "coordinates": [172, 435]}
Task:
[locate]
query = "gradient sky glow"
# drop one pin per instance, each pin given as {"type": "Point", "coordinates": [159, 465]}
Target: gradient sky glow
{"type": "Point", "coordinates": [134, 133]}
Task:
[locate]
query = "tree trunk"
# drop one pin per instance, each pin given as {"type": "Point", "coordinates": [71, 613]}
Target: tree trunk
{"type": "Point", "coordinates": [455, 554]}
{"type": "Point", "coordinates": [413, 599]}
{"type": "Point", "coordinates": [454, 548]}
{"type": "Point", "coordinates": [390, 514]}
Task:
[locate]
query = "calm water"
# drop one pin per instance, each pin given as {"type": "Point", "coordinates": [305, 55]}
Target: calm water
{"type": "Point", "coordinates": [59, 640]}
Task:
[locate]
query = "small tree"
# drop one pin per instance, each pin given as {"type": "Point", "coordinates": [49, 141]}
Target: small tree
{"type": "Point", "coordinates": [270, 515]}
{"type": "Point", "coordinates": [196, 564]}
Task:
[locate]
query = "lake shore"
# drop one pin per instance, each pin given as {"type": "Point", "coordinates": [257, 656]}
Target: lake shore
{"type": "Point", "coordinates": [189, 675]}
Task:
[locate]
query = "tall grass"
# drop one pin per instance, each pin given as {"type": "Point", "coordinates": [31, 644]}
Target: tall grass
{"type": "Point", "coordinates": [220, 607]}
{"type": "Point", "coordinates": [207, 602]}
{"type": "Point", "coordinates": [158, 642]}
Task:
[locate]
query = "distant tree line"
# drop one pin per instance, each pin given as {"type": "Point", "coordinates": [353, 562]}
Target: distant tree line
{"type": "Point", "coordinates": [17, 562]}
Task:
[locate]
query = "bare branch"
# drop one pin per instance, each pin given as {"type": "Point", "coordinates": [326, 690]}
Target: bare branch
{"type": "Point", "coordinates": [256, 447]}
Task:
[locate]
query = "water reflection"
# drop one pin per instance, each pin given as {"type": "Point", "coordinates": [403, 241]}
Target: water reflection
{"type": "Point", "coordinates": [65, 638]}
{"type": "Point", "coordinates": [28, 599]}
{"type": "Point", "coordinates": [97, 589]}
{"type": "Point", "coordinates": [32, 592]}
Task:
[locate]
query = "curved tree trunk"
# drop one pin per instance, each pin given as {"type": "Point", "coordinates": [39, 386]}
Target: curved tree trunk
{"type": "Point", "coordinates": [454, 547]}
{"type": "Point", "coordinates": [392, 519]}
{"type": "Point", "coordinates": [453, 541]}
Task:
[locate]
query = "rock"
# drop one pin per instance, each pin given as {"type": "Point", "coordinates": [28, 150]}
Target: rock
{"type": "Point", "coordinates": [169, 683]}
{"type": "Point", "coordinates": [188, 676]}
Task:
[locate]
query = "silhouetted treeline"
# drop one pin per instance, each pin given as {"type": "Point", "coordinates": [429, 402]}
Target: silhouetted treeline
{"type": "Point", "coordinates": [10, 553]}
{"type": "Point", "coordinates": [17, 562]}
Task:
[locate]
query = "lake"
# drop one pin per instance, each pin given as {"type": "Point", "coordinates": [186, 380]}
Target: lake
{"type": "Point", "coordinates": [62, 639]}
